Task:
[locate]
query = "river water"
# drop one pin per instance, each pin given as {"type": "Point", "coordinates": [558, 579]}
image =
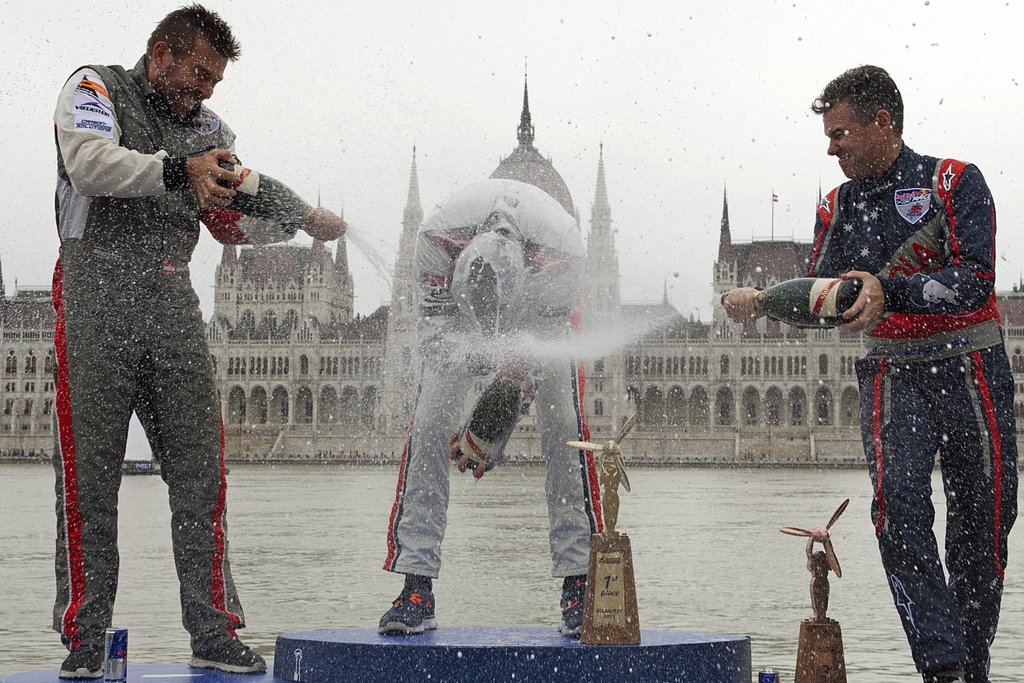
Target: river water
{"type": "Point", "coordinates": [307, 543]}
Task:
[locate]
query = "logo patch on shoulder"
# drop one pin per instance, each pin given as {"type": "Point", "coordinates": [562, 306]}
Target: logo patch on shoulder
{"type": "Point", "coordinates": [912, 203]}
{"type": "Point", "coordinates": [92, 109]}
{"type": "Point", "coordinates": [206, 124]}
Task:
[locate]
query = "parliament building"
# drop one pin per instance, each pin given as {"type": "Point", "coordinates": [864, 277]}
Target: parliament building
{"type": "Point", "coordinates": [303, 378]}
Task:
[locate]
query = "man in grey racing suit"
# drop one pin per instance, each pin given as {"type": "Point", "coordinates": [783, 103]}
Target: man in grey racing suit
{"type": "Point", "coordinates": [498, 265]}
{"type": "Point", "coordinates": [140, 161]}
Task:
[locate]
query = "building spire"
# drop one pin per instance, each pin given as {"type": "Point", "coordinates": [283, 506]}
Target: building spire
{"type": "Point", "coordinates": [725, 239]}
{"type": "Point", "coordinates": [413, 214]}
{"type": "Point", "coordinates": [525, 131]}
{"type": "Point", "coordinates": [601, 194]}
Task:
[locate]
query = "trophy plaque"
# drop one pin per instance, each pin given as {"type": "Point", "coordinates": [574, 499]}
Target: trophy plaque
{"type": "Point", "coordinates": [610, 614]}
{"type": "Point", "coordinates": [819, 657]}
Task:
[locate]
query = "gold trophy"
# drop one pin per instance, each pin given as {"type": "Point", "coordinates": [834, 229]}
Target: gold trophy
{"type": "Point", "coordinates": [819, 657]}
{"type": "Point", "coordinates": [609, 605]}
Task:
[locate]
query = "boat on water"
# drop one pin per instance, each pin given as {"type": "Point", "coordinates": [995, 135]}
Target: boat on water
{"type": "Point", "coordinates": [139, 467]}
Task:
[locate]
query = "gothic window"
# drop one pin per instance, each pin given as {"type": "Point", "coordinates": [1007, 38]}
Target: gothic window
{"type": "Point", "coordinates": [11, 365]}
{"type": "Point", "coordinates": [258, 406]}
{"type": "Point", "coordinates": [304, 406]}
{"type": "Point", "coordinates": [303, 365]}
{"type": "Point", "coordinates": [48, 363]}
{"type": "Point", "coordinates": [773, 407]}
{"type": "Point", "coordinates": [823, 406]}
{"type": "Point", "coordinates": [751, 406]}
{"type": "Point", "coordinates": [848, 407]}
{"type": "Point", "coordinates": [291, 317]}
{"type": "Point", "coordinates": [823, 364]}
{"type": "Point", "coordinates": [724, 407]}
{"type": "Point", "coordinates": [599, 365]}
{"type": "Point", "coordinates": [8, 406]}
{"type": "Point", "coordinates": [652, 409]}
{"type": "Point", "coordinates": [247, 323]}
{"type": "Point", "coordinates": [797, 407]}
{"type": "Point", "coordinates": [723, 365]}
{"type": "Point", "coordinates": [598, 407]}
{"type": "Point", "coordinates": [675, 406]}
{"type": "Point", "coordinates": [699, 413]}
{"type": "Point", "coordinates": [236, 405]}
{"type": "Point", "coordinates": [328, 406]}
{"type": "Point", "coordinates": [279, 406]}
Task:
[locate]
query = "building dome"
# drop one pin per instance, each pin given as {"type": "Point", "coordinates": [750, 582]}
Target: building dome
{"type": "Point", "coordinates": [526, 164]}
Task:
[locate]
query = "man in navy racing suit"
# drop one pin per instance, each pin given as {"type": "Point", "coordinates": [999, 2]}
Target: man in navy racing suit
{"type": "Point", "coordinates": [919, 232]}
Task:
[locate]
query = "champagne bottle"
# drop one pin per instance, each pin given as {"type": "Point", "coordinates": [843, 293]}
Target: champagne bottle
{"type": "Point", "coordinates": [261, 196]}
{"type": "Point", "coordinates": [809, 301]}
{"type": "Point", "coordinates": [493, 419]}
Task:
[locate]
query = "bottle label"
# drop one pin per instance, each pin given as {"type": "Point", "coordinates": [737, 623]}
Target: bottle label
{"type": "Point", "coordinates": [248, 181]}
{"type": "Point", "coordinates": [824, 296]}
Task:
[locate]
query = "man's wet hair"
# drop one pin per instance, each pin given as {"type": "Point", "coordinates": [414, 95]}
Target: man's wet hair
{"type": "Point", "coordinates": [181, 28]}
{"type": "Point", "coordinates": [868, 89]}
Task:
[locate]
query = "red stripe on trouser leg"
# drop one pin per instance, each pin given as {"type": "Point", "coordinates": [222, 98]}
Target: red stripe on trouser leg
{"type": "Point", "coordinates": [389, 561]}
{"type": "Point", "coordinates": [876, 433]}
{"type": "Point", "coordinates": [218, 585]}
{"type": "Point", "coordinates": [66, 437]}
{"type": "Point", "coordinates": [997, 452]}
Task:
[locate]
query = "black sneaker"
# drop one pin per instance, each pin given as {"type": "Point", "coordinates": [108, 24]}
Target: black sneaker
{"type": "Point", "coordinates": [84, 661]}
{"type": "Point", "coordinates": [411, 612]}
{"type": "Point", "coordinates": [227, 654]}
{"type": "Point", "coordinates": [573, 588]}
{"type": "Point", "coordinates": [953, 675]}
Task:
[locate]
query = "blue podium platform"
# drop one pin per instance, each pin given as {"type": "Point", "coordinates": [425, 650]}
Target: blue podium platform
{"type": "Point", "coordinates": [469, 655]}
{"type": "Point", "coordinates": [536, 654]}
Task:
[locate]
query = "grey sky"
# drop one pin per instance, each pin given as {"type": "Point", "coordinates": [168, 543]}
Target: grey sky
{"type": "Point", "coordinates": [687, 97]}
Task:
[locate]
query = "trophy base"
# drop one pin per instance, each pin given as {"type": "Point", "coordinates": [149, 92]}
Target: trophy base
{"type": "Point", "coordinates": [819, 657]}
{"type": "Point", "coordinates": [610, 614]}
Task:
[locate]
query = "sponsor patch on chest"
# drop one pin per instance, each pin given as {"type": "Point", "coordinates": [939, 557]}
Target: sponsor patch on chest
{"type": "Point", "coordinates": [206, 124]}
{"type": "Point", "coordinates": [912, 203]}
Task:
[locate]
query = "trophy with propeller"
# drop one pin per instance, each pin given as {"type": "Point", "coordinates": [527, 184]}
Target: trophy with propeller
{"type": "Point", "coordinates": [819, 657]}
{"type": "Point", "coordinates": [610, 614]}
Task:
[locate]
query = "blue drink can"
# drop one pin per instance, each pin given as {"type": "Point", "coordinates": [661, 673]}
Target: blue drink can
{"type": "Point", "coordinates": [767, 676]}
{"type": "Point", "coordinates": [115, 655]}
